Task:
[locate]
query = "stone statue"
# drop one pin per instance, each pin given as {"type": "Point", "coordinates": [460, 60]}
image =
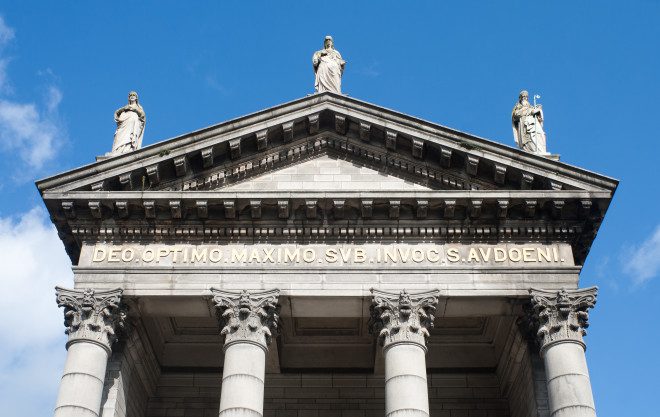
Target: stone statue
{"type": "Point", "coordinates": [329, 67]}
{"type": "Point", "coordinates": [130, 126]}
{"type": "Point", "coordinates": [527, 123]}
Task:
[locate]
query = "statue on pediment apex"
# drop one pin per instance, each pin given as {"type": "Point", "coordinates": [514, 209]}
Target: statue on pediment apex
{"type": "Point", "coordinates": [527, 123]}
{"type": "Point", "coordinates": [328, 67]}
{"type": "Point", "coordinates": [130, 126]}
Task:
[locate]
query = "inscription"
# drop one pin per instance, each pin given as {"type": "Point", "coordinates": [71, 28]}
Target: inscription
{"type": "Point", "coordinates": [331, 255]}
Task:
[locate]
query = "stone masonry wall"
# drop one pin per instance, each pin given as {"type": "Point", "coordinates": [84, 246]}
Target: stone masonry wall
{"type": "Point", "coordinates": [522, 377]}
{"type": "Point", "coordinates": [329, 395]}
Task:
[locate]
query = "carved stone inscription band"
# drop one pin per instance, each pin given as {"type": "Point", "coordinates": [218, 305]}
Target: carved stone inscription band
{"type": "Point", "coordinates": [402, 322]}
{"type": "Point", "coordinates": [561, 318]}
{"type": "Point", "coordinates": [92, 319]}
{"type": "Point", "coordinates": [248, 322]}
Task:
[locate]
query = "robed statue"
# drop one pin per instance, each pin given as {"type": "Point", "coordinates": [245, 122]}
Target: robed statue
{"type": "Point", "coordinates": [527, 123]}
{"type": "Point", "coordinates": [130, 126]}
{"type": "Point", "coordinates": [329, 67]}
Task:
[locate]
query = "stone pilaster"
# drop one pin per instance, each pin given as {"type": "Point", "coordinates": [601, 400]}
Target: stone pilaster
{"type": "Point", "coordinates": [92, 320]}
{"type": "Point", "coordinates": [248, 322]}
{"type": "Point", "coordinates": [560, 319]}
{"type": "Point", "coordinates": [402, 322]}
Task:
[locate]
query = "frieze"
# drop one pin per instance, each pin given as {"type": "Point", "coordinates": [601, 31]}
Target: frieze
{"type": "Point", "coordinates": [327, 255]}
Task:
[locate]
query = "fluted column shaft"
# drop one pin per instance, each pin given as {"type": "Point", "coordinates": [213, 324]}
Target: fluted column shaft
{"type": "Point", "coordinates": [562, 319]}
{"type": "Point", "coordinates": [91, 319]}
{"type": "Point", "coordinates": [248, 322]}
{"type": "Point", "coordinates": [402, 321]}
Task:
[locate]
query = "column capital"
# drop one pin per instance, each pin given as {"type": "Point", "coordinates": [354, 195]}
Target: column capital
{"type": "Point", "coordinates": [402, 317]}
{"type": "Point", "coordinates": [247, 317]}
{"type": "Point", "coordinates": [561, 316]}
{"type": "Point", "coordinates": [92, 316]}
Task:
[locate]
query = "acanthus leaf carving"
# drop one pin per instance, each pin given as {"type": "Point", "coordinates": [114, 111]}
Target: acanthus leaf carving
{"type": "Point", "coordinates": [93, 316]}
{"type": "Point", "coordinates": [403, 317]}
{"type": "Point", "coordinates": [247, 317]}
{"type": "Point", "coordinates": [561, 316]}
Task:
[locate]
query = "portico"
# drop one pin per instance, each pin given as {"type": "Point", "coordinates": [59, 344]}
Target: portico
{"type": "Point", "coordinates": [324, 258]}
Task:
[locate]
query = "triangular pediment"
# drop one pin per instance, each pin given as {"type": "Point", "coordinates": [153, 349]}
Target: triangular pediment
{"type": "Point", "coordinates": [276, 137]}
{"type": "Point", "coordinates": [330, 159]}
{"type": "Point", "coordinates": [327, 172]}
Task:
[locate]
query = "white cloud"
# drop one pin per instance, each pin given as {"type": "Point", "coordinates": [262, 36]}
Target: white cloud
{"type": "Point", "coordinates": [6, 33]}
{"type": "Point", "coordinates": [642, 262]}
{"type": "Point", "coordinates": [31, 131]}
{"type": "Point", "coordinates": [32, 337]}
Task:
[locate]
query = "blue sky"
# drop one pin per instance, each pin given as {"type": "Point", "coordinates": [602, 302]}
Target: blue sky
{"type": "Point", "coordinates": [65, 67]}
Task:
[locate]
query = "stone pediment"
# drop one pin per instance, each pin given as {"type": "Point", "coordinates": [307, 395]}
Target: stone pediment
{"type": "Point", "coordinates": [274, 138]}
{"type": "Point", "coordinates": [328, 159]}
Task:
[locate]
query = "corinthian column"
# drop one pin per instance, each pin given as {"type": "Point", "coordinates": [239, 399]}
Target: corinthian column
{"type": "Point", "coordinates": [402, 322]}
{"type": "Point", "coordinates": [248, 321]}
{"type": "Point", "coordinates": [561, 319]}
{"type": "Point", "coordinates": [91, 319]}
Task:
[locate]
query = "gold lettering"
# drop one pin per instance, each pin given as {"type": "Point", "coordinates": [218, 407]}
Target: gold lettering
{"type": "Point", "coordinates": [127, 254]}
{"type": "Point", "coordinates": [390, 253]}
{"type": "Point", "coordinates": [499, 254]}
{"type": "Point", "coordinates": [515, 255]}
{"type": "Point", "coordinates": [148, 255]}
{"type": "Point", "coordinates": [404, 254]}
{"type": "Point", "coordinates": [238, 255]}
{"type": "Point", "coordinates": [309, 255]}
{"type": "Point", "coordinates": [292, 256]}
{"type": "Point", "coordinates": [199, 255]}
{"type": "Point", "coordinates": [331, 255]}
{"type": "Point", "coordinates": [215, 255]}
{"type": "Point", "coordinates": [453, 255]}
{"type": "Point", "coordinates": [359, 255]}
{"type": "Point", "coordinates": [175, 252]}
{"type": "Point", "coordinates": [162, 252]}
{"type": "Point", "coordinates": [345, 254]}
{"type": "Point", "coordinates": [528, 255]}
{"type": "Point", "coordinates": [268, 255]}
{"type": "Point", "coordinates": [254, 256]}
{"type": "Point", "coordinates": [99, 254]}
{"type": "Point", "coordinates": [435, 253]}
{"type": "Point", "coordinates": [543, 253]}
{"type": "Point", "coordinates": [113, 255]}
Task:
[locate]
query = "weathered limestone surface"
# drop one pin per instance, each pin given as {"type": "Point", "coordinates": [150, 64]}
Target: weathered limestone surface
{"type": "Point", "coordinates": [92, 319]}
{"type": "Point", "coordinates": [452, 394]}
{"type": "Point", "coordinates": [132, 376]}
{"type": "Point", "coordinates": [248, 322]}
{"type": "Point", "coordinates": [562, 318]}
{"type": "Point", "coordinates": [402, 322]}
{"type": "Point", "coordinates": [326, 173]}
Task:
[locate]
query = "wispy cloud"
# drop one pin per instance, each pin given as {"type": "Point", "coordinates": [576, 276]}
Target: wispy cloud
{"type": "Point", "coordinates": [32, 349]}
{"type": "Point", "coordinates": [6, 33]}
{"type": "Point", "coordinates": [372, 70]}
{"type": "Point", "coordinates": [30, 132]}
{"type": "Point", "coordinates": [642, 262]}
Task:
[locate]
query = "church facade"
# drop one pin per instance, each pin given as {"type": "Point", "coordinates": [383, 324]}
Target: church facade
{"type": "Point", "coordinates": [326, 258]}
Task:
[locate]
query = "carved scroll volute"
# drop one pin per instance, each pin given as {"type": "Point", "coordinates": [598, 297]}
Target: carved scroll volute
{"type": "Point", "coordinates": [402, 318]}
{"type": "Point", "coordinates": [247, 317]}
{"type": "Point", "coordinates": [92, 316]}
{"type": "Point", "coordinates": [561, 316]}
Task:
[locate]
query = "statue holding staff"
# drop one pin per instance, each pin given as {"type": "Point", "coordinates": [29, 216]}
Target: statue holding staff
{"type": "Point", "coordinates": [130, 126]}
{"type": "Point", "coordinates": [527, 123]}
{"type": "Point", "coordinates": [329, 67]}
